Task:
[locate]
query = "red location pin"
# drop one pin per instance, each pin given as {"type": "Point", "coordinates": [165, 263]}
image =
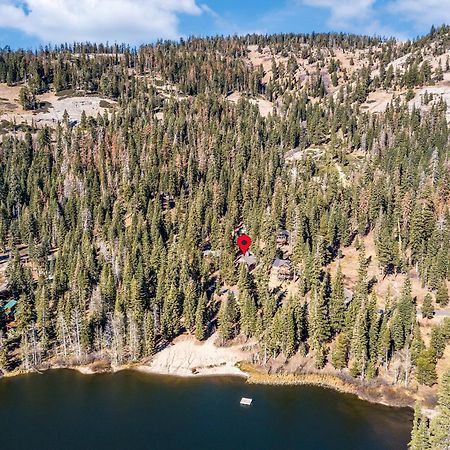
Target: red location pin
{"type": "Point", "coordinates": [244, 242]}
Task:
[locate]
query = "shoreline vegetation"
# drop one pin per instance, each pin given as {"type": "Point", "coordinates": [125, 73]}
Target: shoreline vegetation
{"type": "Point", "coordinates": [399, 397]}
{"type": "Point", "coordinates": [373, 392]}
{"type": "Point", "coordinates": [187, 358]}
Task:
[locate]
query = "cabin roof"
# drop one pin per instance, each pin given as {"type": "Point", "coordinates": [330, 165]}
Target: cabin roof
{"type": "Point", "coordinates": [10, 304]}
{"type": "Point", "coordinates": [215, 253]}
{"type": "Point", "coordinates": [281, 263]}
{"type": "Point", "coordinates": [250, 259]}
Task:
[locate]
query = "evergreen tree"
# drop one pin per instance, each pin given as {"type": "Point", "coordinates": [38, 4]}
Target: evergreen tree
{"type": "Point", "coordinates": [337, 303]}
{"type": "Point", "coordinates": [339, 352]}
{"type": "Point", "coordinates": [440, 424]}
{"type": "Point", "coordinates": [442, 294]}
{"type": "Point", "coordinates": [201, 319]}
{"type": "Point", "coordinates": [227, 318]}
{"type": "Point", "coordinates": [420, 436]}
{"type": "Point", "coordinates": [427, 307]}
{"type": "Point", "coordinates": [248, 313]}
{"type": "Point", "coordinates": [426, 367]}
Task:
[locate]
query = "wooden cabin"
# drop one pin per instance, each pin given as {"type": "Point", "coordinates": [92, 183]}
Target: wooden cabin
{"type": "Point", "coordinates": [283, 269]}
{"type": "Point", "coordinates": [211, 253]}
{"type": "Point", "coordinates": [167, 200]}
{"type": "Point", "coordinates": [248, 259]}
{"type": "Point", "coordinates": [9, 311]}
{"type": "Point", "coordinates": [282, 238]}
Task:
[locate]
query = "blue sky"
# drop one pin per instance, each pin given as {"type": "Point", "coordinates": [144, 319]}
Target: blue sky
{"type": "Point", "coordinates": [31, 23]}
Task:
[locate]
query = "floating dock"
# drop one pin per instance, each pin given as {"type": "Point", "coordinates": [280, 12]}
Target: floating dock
{"type": "Point", "coordinates": [246, 401]}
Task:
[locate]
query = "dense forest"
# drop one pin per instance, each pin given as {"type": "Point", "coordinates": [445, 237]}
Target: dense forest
{"type": "Point", "coordinates": [119, 233]}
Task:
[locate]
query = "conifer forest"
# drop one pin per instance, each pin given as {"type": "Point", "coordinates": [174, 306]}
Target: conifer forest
{"type": "Point", "coordinates": [332, 151]}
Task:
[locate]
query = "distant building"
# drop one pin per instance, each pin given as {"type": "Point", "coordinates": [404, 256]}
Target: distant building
{"type": "Point", "coordinates": [240, 229]}
{"type": "Point", "coordinates": [282, 238]}
{"type": "Point", "coordinates": [9, 310]}
{"type": "Point", "coordinates": [248, 259]}
{"type": "Point", "coordinates": [167, 200]}
{"type": "Point", "coordinates": [212, 253]}
{"type": "Point", "coordinates": [348, 296]}
{"type": "Point", "coordinates": [283, 269]}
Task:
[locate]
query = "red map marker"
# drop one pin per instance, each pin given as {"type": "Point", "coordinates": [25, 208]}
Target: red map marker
{"type": "Point", "coordinates": [244, 242]}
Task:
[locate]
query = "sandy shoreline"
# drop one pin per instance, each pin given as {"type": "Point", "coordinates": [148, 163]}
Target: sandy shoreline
{"type": "Point", "coordinates": [186, 357]}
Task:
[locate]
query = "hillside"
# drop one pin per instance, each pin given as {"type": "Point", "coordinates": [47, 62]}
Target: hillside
{"type": "Point", "coordinates": [126, 176]}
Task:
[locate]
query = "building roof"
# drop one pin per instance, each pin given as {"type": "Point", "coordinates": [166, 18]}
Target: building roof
{"type": "Point", "coordinates": [348, 295]}
{"type": "Point", "coordinates": [214, 253]}
{"type": "Point", "coordinates": [250, 259]}
{"type": "Point", "coordinates": [281, 263]}
{"type": "Point", "coordinates": [10, 305]}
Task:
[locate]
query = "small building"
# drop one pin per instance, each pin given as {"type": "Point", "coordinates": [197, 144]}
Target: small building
{"type": "Point", "coordinates": [283, 269]}
{"type": "Point", "coordinates": [167, 200]}
{"type": "Point", "coordinates": [8, 308]}
{"type": "Point", "coordinates": [240, 229]}
{"type": "Point", "coordinates": [282, 238]}
{"type": "Point", "coordinates": [212, 253]}
{"type": "Point", "coordinates": [348, 296]}
{"type": "Point", "coordinates": [249, 259]}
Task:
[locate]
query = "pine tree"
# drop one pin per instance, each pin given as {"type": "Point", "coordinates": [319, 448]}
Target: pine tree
{"type": "Point", "coordinates": [201, 319]}
{"type": "Point", "coordinates": [289, 335]}
{"type": "Point", "coordinates": [359, 344]}
{"type": "Point", "coordinates": [427, 307]}
{"type": "Point", "coordinates": [426, 367]}
{"type": "Point", "coordinates": [337, 303]}
{"type": "Point", "coordinates": [189, 305]}
{"type": "Point", "coordinates": [417, 344]}
{"type": "Point", "coordinates": [406, 309]}
{"type": "Point", "coordinates": [384, 345]}
{"type": "Point", "coordinates": [248, 313]}
{"type": "Point", "coordinates": [24, 313]}
{"type": "Point", "coordinates": [420, 435]}
{"type": "Point", "coordinates": [318, 319]}
{"type": "Point", "coordinates": [440, 424]}
{"type": "Point", "coordinates": [170, 319]}
{"type": "Point", "coordinates": [397, 330]}
{"type": "Point", "coordinates": [442, 294]}
{"type": "Point", "coordinates": [339, 352]}
{"type": "Point", "coordinates": [437, 341]}
{"type": "Point", "coordinates": [227, 318]}
{"type": "Point", "coordinates": [149, 334]}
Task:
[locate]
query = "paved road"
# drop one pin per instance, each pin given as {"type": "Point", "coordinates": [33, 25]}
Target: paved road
{"type": "Point", "coordinates": [442, 313]}
{"type": "Point", "coordinates": [437, 313]}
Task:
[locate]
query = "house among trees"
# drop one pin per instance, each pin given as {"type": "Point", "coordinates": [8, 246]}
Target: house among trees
{"type": "Point", "coordinates": [9, 311]}
{"type": "Point", "coordinates": [167, 200]}
{"type": "Point", "coordinates": [212, 253]}
{"type": "Point", "coordinates": [248, 259]}
{"type": "Point", "coordinates": [240, 229]}
{"type": "Point", "coordinates": [348, 296]}
{"type": "Point", "coordinates": [282, 238]}
{"type": "Point", "coordinates": [283, 269]}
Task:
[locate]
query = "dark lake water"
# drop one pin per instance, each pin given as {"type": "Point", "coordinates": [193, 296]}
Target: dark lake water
{"type": "Point", "coordinates": [64, 410]}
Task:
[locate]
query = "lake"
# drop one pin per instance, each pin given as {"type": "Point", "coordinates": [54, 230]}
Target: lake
{"type": "Point", "coordinates": [65, 410]}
